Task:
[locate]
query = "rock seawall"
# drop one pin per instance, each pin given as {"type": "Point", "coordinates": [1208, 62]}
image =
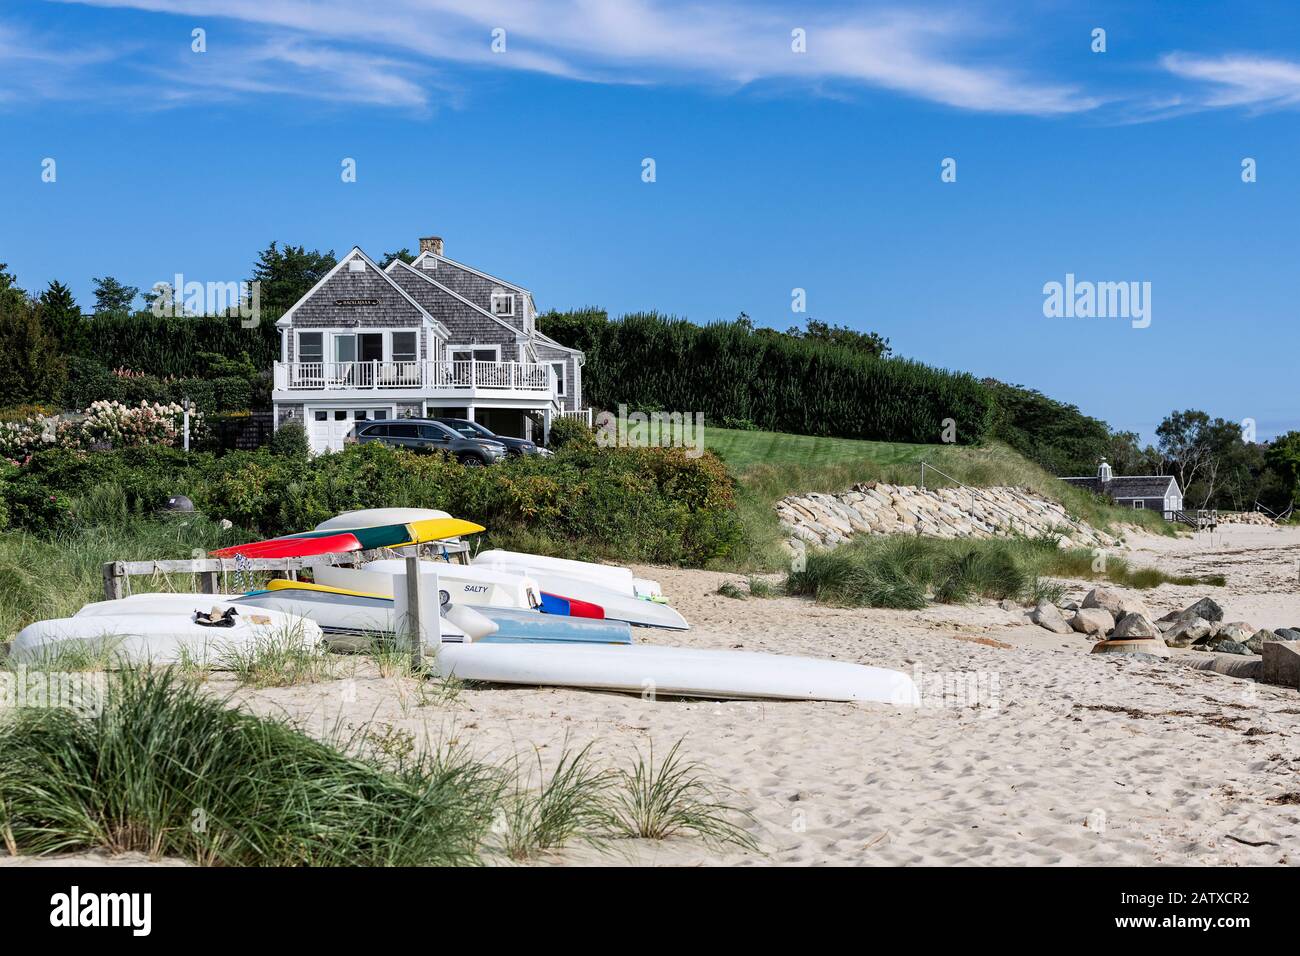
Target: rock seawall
{"type": "Point", "coordinates": [826, 520]}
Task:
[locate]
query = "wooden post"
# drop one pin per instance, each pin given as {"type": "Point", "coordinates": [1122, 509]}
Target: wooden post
{"type": "Point", "coordinates": [208, 582]}
{"type": "Point", "coordinates": [112, 581]}
{"type": "Point", "coordinates": [414, 611]}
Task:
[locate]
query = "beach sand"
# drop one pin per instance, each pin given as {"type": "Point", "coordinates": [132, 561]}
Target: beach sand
{"type": "Point", "coordinates": [1028, 751]}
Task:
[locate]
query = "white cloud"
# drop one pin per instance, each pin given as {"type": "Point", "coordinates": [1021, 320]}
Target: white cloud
{"type": "Point", "coordinates": [931, 57]}
{"type": "Point", "coordinates": [1240, 80]}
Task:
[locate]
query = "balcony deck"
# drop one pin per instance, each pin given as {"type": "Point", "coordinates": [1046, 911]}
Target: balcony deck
{"type": "Point", "coordinates": [428, 379]}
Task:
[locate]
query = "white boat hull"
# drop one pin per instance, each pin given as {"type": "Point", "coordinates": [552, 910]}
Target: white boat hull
{"type": "Point", "coordinates": [156, 637]}
{"type": "Point", "coordinates": [676, 672]}
{"type": "Point", "coordinates": [618, 606]}
{"type": "Point", "coordinates": [464, 584]}
{"type": "Point", "coordinates": [606, 575]}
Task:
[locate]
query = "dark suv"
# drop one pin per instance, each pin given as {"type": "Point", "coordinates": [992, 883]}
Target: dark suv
{"type": "Point", "coordinates": [476, 432]}
{"type": "Point", "coordinates": [425, 435]}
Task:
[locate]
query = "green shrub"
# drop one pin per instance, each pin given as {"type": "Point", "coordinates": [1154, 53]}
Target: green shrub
{"type": "Point", "coordinates": [571, 433]}
{"type": "Point", "coordinates": [290, 441]}
{"type": "Point", "coordinates": [637, 504]}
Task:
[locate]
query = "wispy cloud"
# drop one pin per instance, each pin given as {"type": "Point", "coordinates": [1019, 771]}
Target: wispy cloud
{"type": "Point", "coordinates": [1239, 80]}
{"type": "Point", "coordinates": [382, 49]}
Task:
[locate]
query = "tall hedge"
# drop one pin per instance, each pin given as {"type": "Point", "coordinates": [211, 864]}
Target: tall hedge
{"type": "Point", "coordinates": [171, 346]}
{"type": "Point", "coordinates": [728, 370]}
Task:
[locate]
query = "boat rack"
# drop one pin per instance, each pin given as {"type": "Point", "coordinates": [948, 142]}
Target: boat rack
{"type": "Point", "coordinates": [211, 571]}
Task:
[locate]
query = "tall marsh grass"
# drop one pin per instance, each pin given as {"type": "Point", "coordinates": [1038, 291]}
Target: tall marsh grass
{"type": "Point", "coordinates": [906, 571]}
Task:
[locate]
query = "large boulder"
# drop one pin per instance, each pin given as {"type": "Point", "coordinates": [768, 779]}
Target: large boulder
{"type": "Point", "coordinates": [1133, 625]}
{"type": "Point", "coordinates": [1187, 632]}
{"type": "Point", "coordinates": [1287, 633]}
{"type": "Point", "coordinates": [1257, 640]}
{"type": "Point", "coordinates": [1104, 598]}
{"type": "Point", "coordinates": [1047, 615]}
{"type": "Point", "coordinates": [1223, 646]}
{"type": "Point", "coordinates": [1117, 603]}
{"type": "Point", "coordinates": [1092, 620]}
{"type": "Point", "coordinates": [1206, 609]}
{"type": "Point", "coordinates": [1238, 631]}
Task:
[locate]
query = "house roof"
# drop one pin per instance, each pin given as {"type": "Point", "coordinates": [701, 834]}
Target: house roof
{"type": "Point", "coordinates": [477, 272]}
{"type": "Point", "coordinates": [1124, 487]}
{"type": "Point", "coordinates": [551, 343]}
{"type": "Point", "coordinates": [286, 320]}
{"type": "Point", "coordinates": [520, 335]}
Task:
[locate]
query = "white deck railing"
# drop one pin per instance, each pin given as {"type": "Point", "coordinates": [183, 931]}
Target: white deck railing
{"type": "Point", "coordinates": [441, 376]}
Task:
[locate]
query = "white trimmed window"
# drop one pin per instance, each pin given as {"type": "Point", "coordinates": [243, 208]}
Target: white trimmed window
{"type": "Point", "coordinates": [559, 377]}
{"type": "Point", "coordinates": [503, 303]}
{"type": "Point", "coordinates": [311, 347]}
{"type": "Point", "coordinates": [356, 265]}
{"type": "Point", "coordinates": [404, 346]}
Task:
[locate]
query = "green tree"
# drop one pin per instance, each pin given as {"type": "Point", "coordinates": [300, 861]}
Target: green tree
{"type": "Point", "coordinates": [112, 297]}
{"type": "Point", "coordinates": [31, 369]}
{"type": "Point", "coordinates": [1183, 440]}
{"type": "Point", "coordinates": [62, 318]}
{"type": "Point", "coordinates": [818, 331]}
{"type": "Point", "coordinates": [9, 290]}
{"type": "Point", "coordinates": [405, 254]}
{"type": "Point", "coordinates": [1283, 459]}
{"type": "Point", "coordinates": [288, 274]}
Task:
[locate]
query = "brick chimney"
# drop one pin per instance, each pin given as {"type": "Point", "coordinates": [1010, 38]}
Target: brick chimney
{"type": "Point", "coordinates": [431, 244]}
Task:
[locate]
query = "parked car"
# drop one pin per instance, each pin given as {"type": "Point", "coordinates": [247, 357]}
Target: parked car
{"type": "Point", "coordinates": [426, 435]}
{"type": "Point", "coordinates": [514, 446]}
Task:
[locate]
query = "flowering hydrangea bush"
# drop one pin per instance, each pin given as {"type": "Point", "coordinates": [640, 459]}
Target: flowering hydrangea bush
{"type": "Point", "coordinates": [125, 426]}
{"type": "Point", "coordinates": [104, 423]}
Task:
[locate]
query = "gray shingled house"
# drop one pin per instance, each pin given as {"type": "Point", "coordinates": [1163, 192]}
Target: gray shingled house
{"type": "Point", "coordinates": [435, 337]}
{"type": "Point", "coordinates": [1153, 492]}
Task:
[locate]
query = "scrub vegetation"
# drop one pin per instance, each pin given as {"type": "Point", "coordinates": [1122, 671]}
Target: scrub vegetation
{"type": "Point", "coordinates": [907, 572]}
{"type": "Point", "coordinates": [167, 769]}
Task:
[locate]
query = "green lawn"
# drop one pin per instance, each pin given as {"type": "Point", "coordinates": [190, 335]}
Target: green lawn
{"type": "Point", "coordinates": [743, 449]}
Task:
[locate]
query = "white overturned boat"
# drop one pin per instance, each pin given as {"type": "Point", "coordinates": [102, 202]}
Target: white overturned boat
{"type": "Point", "coordinates": [332, 610]}
{"type": "Point", "coordinates": [464, 584]}
{"type": "Point", "coordinates": [676, 672]}
{"type": "Point", "coordinates": [618, 605]}
{"type": "Point", "coordinates": [153, 635]}
{"type": "Point", "coordinates": [606, 575]}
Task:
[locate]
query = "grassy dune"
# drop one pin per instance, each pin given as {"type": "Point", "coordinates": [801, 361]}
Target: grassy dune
{"type": "Point", "coordinates": [770, 465]}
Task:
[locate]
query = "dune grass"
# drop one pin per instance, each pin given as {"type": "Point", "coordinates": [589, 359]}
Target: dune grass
{"type": "Point", "coordinates": [770, 465]}
{"type": "Point", "coordinates": [657, 801]}
{"type": "Point", "coordinates": [44, 578]}
{"type": "Point", "coordinates": [907, 572]}
{"type": "Point", "coordinates": [167, 769]}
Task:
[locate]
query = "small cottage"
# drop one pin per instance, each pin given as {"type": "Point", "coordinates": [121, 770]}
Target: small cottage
{"type": "Point", "coordinates": [1152, 492]}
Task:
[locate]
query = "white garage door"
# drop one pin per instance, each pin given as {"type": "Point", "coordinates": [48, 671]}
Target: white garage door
{"type": "Point", "coordinates": [330, 427]}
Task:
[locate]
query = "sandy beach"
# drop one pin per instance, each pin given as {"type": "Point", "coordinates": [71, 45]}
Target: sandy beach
{"type": "Point", "coordinates": [1028, 750]}
{"type": "Point", "coordinates": [1062, 757]}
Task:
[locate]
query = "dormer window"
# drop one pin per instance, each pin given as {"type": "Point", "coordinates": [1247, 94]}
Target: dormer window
{"type": "Point", "coordinates": [503, 303]}
{"type": "Point", "coordinates": [356, 265]}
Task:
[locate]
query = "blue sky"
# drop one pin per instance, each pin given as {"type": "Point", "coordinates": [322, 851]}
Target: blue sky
{"type": "Point", "coordinates": [775, 170]}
